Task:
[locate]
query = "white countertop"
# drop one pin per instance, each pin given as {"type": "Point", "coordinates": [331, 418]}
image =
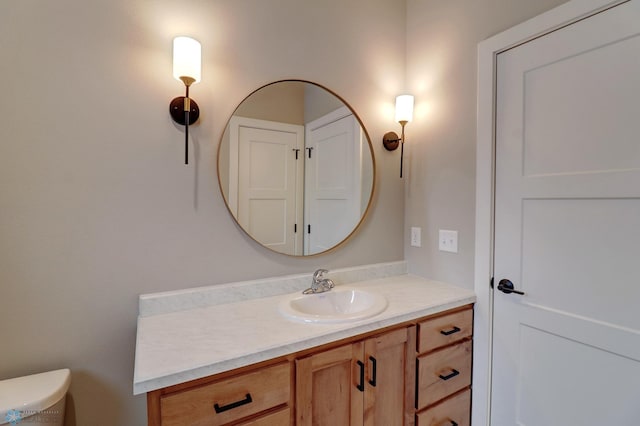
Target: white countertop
{"type": "Point", "coordinates": [180, 346]}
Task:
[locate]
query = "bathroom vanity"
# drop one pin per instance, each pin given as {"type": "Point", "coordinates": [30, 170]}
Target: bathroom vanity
{"type": "Point", "coordinates": [243, 362]}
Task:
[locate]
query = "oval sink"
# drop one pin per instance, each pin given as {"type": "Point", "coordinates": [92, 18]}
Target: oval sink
{"type": "Point", "coordinates": [337, 305]}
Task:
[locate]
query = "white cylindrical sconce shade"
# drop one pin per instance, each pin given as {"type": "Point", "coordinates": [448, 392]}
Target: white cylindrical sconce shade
{"type": "Point", "coordinates": [187, 58]}
{"type": "Point", "coordinates": [404, 108]}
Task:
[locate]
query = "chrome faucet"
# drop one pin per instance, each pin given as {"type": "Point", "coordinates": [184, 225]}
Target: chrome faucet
{"type": "Point", "coordinates": [319, 284]}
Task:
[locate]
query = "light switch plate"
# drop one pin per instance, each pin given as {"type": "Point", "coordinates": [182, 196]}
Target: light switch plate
{"type": "Point", "coordinates": [416, 236]}
{"type": "Point", "coordinates": [448, 240]}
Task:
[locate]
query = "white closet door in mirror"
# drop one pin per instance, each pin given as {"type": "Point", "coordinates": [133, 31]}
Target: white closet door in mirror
{"type": "Point", "coordinates": [268, 180]}
{"type": "Point", "coordinates": [333, 179]}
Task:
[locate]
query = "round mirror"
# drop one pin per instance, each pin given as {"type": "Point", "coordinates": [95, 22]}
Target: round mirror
{"type": "Point", "coordinates": [296, 168]}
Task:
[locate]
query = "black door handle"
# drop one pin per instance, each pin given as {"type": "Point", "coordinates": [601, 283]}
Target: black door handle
{"type": "Point", "coordinates": [506, 286]}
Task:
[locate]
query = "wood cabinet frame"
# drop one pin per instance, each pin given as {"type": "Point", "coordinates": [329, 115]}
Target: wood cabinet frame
{"type": "Point", "coordinates": [367, 343]}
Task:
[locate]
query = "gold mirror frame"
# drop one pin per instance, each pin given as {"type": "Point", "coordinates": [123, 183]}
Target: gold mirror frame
{"type": "Point", "coordinates": [224, 168]}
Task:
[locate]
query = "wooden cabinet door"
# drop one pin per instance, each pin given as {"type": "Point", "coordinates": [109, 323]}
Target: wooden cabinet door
{"type": "Point", "coordinates": [367, 383]}
{"type": "Point", "coordinates": [327, 387]}
{"type": "Point", "coordinates": [389, 386]}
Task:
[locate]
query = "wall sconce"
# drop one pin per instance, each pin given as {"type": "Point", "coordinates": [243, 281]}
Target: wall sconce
{"type": "Point", "coordinates": [404, 114]}
{"type": "Point", "coordinates": [186, 68]}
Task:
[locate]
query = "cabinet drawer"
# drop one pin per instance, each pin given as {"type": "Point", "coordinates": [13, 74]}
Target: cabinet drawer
{"type": "Point", "coordinates": [230, 399]}
{"type": "Point", "coordinates": [453, 411]}
{"type": "Point", "coordinates": [441, 331]}
{"type": "Point", "coordinates": [443, 372]}
{"type": "Point", "coordinates": [277, 418]}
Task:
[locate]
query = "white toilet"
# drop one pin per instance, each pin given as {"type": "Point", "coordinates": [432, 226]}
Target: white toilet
{"type": "Point", "coordinates": [36, 399]}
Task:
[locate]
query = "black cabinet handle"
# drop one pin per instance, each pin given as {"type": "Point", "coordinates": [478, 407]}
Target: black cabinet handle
{"type": "Point", "coordinates": [453, 423]}
{"type": "Point", "coordinates": [453, 374]}
{"type": "Point", "coordinates": [245, 401]}
{"type": "Point", "coordinates": [361, 385]}
{"type": "Point", "coordinates": [372, 382]}
{"type": "Point", "coordinates": [450, 332]}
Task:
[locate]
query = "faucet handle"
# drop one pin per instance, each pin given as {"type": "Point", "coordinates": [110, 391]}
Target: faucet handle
{"type": "Point", "coordinates": [317, 275]}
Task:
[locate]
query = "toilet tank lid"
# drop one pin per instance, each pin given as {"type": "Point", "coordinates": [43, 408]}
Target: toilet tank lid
{"type": "Point", "coordinates": [33, 393]}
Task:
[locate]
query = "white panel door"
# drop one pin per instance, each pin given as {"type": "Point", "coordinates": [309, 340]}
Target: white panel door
{"type": "Point", "coordinates": [269, 185]}
{"type": "Point", "coordinates": [567, 226]}
{"type": "Point", "coordinates": [333, 179]}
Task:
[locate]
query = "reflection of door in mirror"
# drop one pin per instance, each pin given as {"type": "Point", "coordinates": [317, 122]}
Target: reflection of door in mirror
{"type": "Point", "coordinates": [333, 179]}
{"type": "Point", "coordinates": [269, 179]}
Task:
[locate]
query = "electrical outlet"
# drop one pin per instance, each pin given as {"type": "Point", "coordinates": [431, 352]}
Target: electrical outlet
{"type": "Point", "coordinates": [416, 236]}
{"type": "Point", "coordinates": [448, 241]}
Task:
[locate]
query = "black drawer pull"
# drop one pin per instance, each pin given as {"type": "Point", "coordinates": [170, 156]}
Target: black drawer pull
{"type": "Point", "coordinates": [361, 385]}
{"type": "Point", "coordinates": [247, 400]}
{"type": "Point", "coordinates": [453, 374]}
{"type": "Point", "coordinates": [450, 332]}
{"type": "Point", "coordinates": [453, 423]}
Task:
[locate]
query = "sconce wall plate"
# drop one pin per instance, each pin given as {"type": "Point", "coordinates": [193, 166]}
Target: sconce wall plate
{"type": "Point", "coordinates": [391, 141]}
{"type": "Point", "coordinates": [176, 109]}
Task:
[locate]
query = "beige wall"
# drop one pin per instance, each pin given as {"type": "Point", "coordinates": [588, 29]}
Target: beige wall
{"type": "Point", "coordinates": [282, 102]}
{"type": "Point", "coordinates": [318, 103]}
{"type": "Point", "coordinates": [96, 205]}
{"type": "Point", "coordinates": [442, 38]}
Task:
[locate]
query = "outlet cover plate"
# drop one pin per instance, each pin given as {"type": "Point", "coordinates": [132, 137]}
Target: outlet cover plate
{"type": "Point", "coordinates": [416, 236]}
{"type": "Point", "coordinates": [448, 240]}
